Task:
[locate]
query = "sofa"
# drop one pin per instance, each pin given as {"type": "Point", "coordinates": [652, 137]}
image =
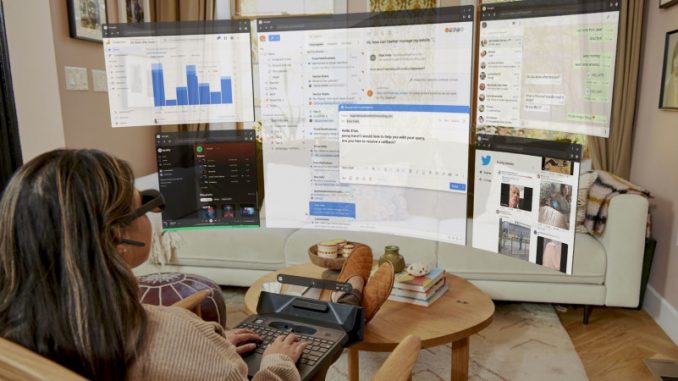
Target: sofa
{"type": "Point", "coordinates": [606, 270]}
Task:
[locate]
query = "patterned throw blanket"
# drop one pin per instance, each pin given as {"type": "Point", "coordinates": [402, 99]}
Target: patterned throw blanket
{"type": "Point", "coordinates": [603, 189]}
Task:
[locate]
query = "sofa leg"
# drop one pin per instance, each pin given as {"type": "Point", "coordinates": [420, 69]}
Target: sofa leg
{"type": "Point", "coordinates": [587, 313]}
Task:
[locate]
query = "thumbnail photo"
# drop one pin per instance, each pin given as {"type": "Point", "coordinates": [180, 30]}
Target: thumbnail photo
{"type": "Point", "coordinates": [552, 254]}
{"type": "Point", "coordinates": [248, 211]}
{"type": "Point", "coordinates": [208, 213]}
{"type": "Point", "coordinates": [557, 165]}
{"type": "Point", "coordinates": [229, 211]}
{"type": "Point", "coordinates": [516, 197]}
{"type": "Point", "coordinates": [554, 204]}
{"type": "Point", "coordinates": [514, 240]}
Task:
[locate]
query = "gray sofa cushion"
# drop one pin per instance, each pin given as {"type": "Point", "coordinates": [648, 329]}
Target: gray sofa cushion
{"type": "Point", "coordinates": [589, 264]}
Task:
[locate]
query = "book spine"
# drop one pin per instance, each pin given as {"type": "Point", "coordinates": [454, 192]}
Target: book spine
{"type": "Point", "coordinates": [418, 288]}
{"type": "Point", "coordinates": [416, 294]}
{"type": "Point", "coordinates": [423, 303]}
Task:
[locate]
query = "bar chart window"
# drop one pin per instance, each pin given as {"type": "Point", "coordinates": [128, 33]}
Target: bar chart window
{"type": "Point", "coordinates": [175, 73]}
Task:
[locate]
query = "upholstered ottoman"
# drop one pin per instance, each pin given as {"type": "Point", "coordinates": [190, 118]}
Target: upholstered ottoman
{"type": "Point", "coordinates": [165, 289]}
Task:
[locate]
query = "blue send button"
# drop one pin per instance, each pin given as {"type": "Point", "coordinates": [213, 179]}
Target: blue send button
{"type": "Point", "coordinates": [274, 37]}
{"type": "Point", "coordinates": [458, 186]}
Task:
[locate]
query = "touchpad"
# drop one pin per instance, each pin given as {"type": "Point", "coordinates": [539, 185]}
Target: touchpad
{"type": "Point", "coordinates": [285, 326]}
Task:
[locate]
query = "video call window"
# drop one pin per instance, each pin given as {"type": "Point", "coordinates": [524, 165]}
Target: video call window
{"type": "Point", "coordinates": [370, 117]}
{"type": "Point", "coordinates": [525, 196]}
{"type": "Point", "coordinates": [179, 72]}
{"type": "Point", "coordinates": [548, 65]}
{"type": "Point", "coordinates": [208, 178]}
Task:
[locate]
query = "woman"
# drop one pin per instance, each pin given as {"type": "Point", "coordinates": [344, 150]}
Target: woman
{"type": "Point", "coordinates": [72, 227]}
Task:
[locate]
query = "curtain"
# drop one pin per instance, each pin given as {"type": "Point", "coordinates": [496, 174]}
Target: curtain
{"type": "Point", "coordinates": [614, 154]}
{"type": "Point", "coordinates": [395, 5]}
{"type": "Point", "coordinates": [183, 10]}
{"type": "Point", "coordinates": [10, 147]}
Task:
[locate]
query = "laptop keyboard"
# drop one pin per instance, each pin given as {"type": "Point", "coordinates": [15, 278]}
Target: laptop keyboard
{"type": "Point", "coordinates": [314, 351]}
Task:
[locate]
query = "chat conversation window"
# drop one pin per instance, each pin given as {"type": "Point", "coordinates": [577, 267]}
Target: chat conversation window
{"type": "Point", "coordinates": [404, 145]}
{"type": "Point", "coordinates": [548, 65]}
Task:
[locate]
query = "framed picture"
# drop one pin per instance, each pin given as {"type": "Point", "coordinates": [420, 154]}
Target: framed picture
{"type": "Point", "coordinates": [85, 18]}
{"type": "Point", "coordinates": [668, 98]}
{"type": "Point", "coordinates": [667, 3]}
{"type": "Point", "coordinates": [134, 11]}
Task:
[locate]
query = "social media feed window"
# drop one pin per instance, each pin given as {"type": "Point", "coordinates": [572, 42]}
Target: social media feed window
{"type": "Point", "coordinates": [526, 198]}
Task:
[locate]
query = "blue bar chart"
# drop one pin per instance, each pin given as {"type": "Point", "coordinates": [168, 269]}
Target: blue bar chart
{"type": "Point", "coordinates": [194, 93]}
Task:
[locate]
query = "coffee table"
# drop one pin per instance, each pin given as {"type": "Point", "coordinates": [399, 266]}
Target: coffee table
{"type": "Point", "coordinates": [462, 311]}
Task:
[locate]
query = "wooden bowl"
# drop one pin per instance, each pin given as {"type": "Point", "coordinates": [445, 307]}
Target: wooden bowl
{"type": "Point", "coordinates": [329, 263]}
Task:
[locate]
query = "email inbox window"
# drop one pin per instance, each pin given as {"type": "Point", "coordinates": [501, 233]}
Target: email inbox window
{"type": "Point", "coordinates": [350, 172]}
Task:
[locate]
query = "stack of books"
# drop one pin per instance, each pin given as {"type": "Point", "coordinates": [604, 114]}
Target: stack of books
{"type": "Point", "coordinates": [421, 290]}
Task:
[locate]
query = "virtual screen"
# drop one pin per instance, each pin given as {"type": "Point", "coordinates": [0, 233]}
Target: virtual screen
{"type": "Point", "coordinates": [173, 73]}
{"type": "Point", "coordinates": [548, 64]}
{"type": "Point", "coordinates": [208, 178]}
{"type": "Point", "coordinates": [370, 117]}
{"type": "Point", "coordinates": [526, 199]}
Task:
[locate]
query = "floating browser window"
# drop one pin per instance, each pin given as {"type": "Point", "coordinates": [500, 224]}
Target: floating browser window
{"type": "Point", "coordinates": [548, 65]}
{"type": "Point", "coordinates": [208, 179]}
{"type": "Point", "coordinates": [526, 199]}
{"type": "Point", "coordinates": [416, 146]}
{"type": "Point", "coordinates": [351, 168]}
{"type": "Point", "coordinates": [177, 73]}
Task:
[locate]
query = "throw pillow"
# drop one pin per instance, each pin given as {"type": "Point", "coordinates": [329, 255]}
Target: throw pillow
{"type": "Point", "coordinates": [586, 179]}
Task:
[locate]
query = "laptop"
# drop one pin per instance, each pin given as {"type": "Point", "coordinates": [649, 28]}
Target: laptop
{"type": "Point", "coordinates": [327, 327]}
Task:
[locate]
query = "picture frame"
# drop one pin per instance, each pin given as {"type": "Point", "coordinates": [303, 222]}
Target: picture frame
{"type": "Point", "coordinates": [134, 11]}
{"type": "Point", "coordinates": [667, 3]}
{"type": "Point", "coordinates": [668, 96]}
{"type": "Point", "coordinates": [85, 18]}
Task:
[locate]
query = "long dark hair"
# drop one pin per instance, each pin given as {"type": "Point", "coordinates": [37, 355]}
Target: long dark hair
{"type": "Point", "coordinates": [65, 292]}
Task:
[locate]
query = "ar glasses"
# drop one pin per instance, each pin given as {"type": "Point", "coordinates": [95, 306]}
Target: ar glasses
{"type": "Point", "coordinates": [151, 201]}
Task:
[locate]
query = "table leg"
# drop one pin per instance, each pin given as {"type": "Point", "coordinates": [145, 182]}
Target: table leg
{"type": "Point", "coordinates": [353, 364]}
{"type": "Point", "coordinates": [460, 358]}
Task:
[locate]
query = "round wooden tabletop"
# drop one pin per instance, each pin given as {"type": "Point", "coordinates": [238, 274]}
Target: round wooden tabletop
{"type": "Point", "coordinates": [462, 311]}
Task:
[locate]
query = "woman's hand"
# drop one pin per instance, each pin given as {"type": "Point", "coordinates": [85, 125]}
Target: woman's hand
{"type": "Point", "coordinates": [244, 339]}
{"type": "Point", "coordinates": [287, 345]}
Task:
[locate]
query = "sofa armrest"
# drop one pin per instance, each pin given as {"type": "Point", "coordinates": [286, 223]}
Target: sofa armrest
{"type": "Point", "coordinates": [624, 242]}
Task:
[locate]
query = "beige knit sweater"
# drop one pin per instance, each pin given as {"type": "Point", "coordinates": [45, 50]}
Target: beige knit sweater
{"type": "Point", "coordinates": [180, 346]}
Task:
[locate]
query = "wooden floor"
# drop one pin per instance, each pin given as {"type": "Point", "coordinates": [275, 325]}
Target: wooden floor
{"type": "Point", "coordinates": [616, 341]}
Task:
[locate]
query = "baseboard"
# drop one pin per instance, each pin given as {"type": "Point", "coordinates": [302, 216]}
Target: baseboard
{"type": "Point", "coordinates": [662, 312]}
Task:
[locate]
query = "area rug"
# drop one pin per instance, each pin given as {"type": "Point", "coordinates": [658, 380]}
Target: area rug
{"type": "Point", "coordinates": [524, 342]}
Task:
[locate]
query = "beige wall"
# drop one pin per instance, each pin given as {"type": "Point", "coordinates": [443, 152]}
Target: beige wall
{"type": "Point", "coordinates": [86, 118]}
{"type": "Point", "coordinates": [655, 153]}
{"type": "Point", "coordinates": [33, 66]}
